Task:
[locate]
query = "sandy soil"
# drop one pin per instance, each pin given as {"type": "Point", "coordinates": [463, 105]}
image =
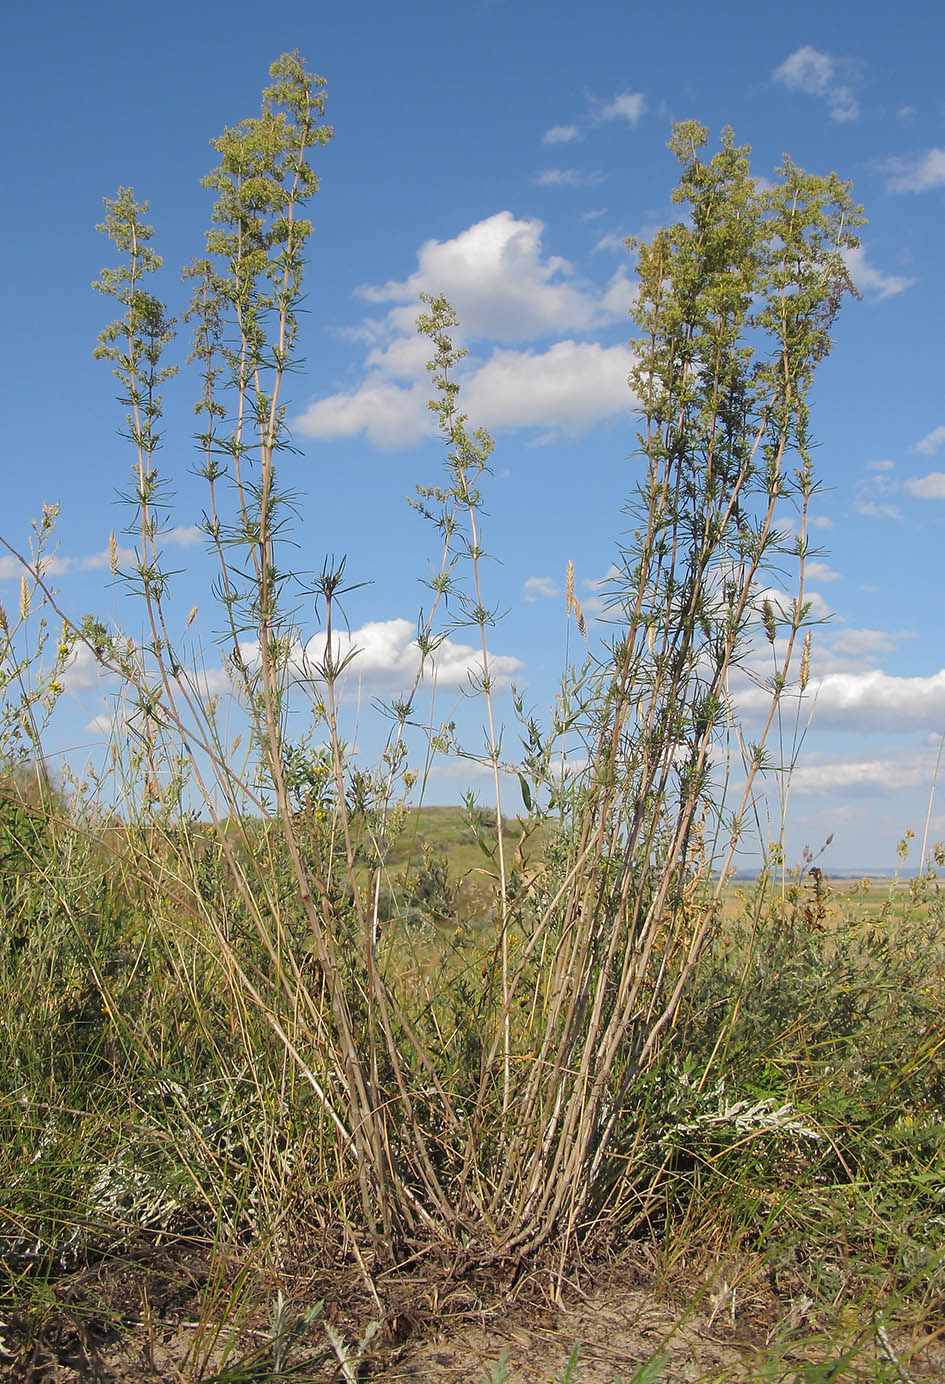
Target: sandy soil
{"type": "Point", "coordinates": [151, 1318]}
{"type": "Point", "coordinates": [629, 1333]}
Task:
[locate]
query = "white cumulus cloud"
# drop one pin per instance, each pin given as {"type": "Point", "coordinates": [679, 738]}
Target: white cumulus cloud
{"type": "Point", "coordinates": [389, 415]}
{"type": "Point", "coordinates": [567, 388]}
{"type": "Point", "coordinates": [498, 279]}
{"type": "Point", "coordinates": [11, 569]}
{"type": "Point", "coordinates": [621, 293]}
{"type": "Point", "coordinates": [869, 701]}
{"type": "Point", "coordinates": [505, 290]}
{"type": "Point", "coordinates": [570, 386]}
{"type": "Point", "coordinates": [818, 74]}
{"type": "Point", "coordinates": [103, 724]}
{"type": "Point", "coordinates": [930, 487]}
{"type": "Point", "coordinates": [83, 671]}
{"type": "Point", "coordinates": [386, 656]}
{"type": "Point", "coordinates": [820, 571]}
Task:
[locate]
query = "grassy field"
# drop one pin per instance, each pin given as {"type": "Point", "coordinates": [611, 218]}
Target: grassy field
{"type": "Point", "coordinates": [173, 1208]}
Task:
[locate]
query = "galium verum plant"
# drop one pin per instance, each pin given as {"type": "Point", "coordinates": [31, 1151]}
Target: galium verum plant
{"type": "Point", "coordinates": [493, 1116]}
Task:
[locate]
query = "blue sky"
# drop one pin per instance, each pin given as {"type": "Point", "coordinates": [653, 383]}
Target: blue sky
{"type": "Point", "coordinates": [500, 153]}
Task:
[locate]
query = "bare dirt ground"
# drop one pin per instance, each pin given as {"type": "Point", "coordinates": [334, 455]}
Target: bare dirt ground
{"type": "Point", "coordinates": [625, 1325]}
{"type": "Point", "coordinates": [155, 1316]}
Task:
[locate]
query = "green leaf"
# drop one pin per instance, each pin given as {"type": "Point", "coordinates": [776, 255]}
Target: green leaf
{"type": "Point", "coordinates": [651, 1371]}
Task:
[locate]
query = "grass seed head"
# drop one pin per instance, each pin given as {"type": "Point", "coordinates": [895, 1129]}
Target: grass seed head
{"type": "Point", "coordinates": [571, 601]}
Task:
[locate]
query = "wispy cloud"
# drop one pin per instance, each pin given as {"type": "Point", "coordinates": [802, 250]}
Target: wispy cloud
{"type": "Point", "coordinates": [858, 776]}
{"type": "Point", "coordinates": [629, 106]}
{"type": "Point", "coordinates": [183, 536]}
{"type": "Point", "coordinates": [932, 441]}
{"type": "Point", "coordinates": [871, 492]}
{"type": "Point", "coordinates": [864, 643]}
{"type": "Point", "coordinates": [569, 177]}
{"type": "Point", "coordinates": [561, 134]}
{"type": "Point", "coordinates": [818, 74]}
{"type": "Point", "coordinates": [611, 242]}
{"type": "Point", "coordinates": [877, 509]}
{"type": "Point", "coordinates": [540, 588]}
{"type": "Point", "coordinates": [870, 280]}
{"type": "Point", "coordinates": [918, 174]}
{"type": "Point", "coordinates": [60, 565]}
